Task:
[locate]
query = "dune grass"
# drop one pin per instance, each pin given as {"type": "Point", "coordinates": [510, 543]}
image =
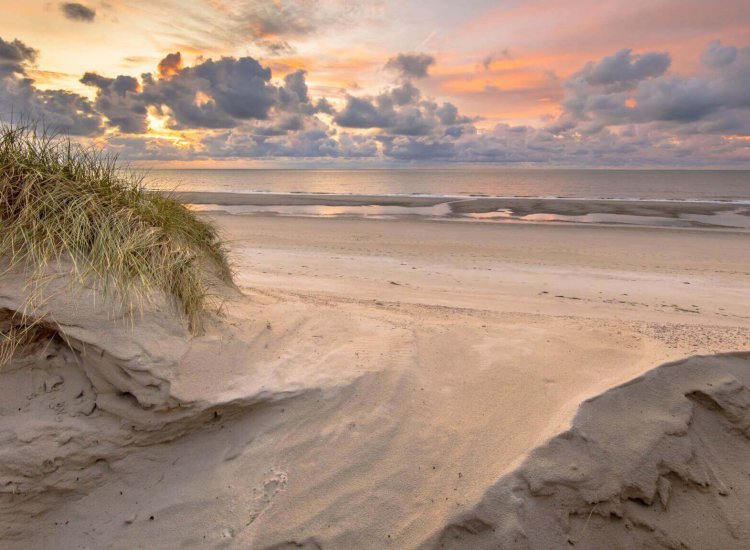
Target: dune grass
{"type": "Point", "coordinates": [65, 205]}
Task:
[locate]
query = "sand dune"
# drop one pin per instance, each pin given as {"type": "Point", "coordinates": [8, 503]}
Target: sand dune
{"type": "Point", "coordinates": [659, 462]}
{"type": "Point", "coordinates": [388, 384]}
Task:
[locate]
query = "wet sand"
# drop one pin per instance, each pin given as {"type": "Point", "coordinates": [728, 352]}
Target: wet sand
{"type": "Point", "coordinates": [482, 209]}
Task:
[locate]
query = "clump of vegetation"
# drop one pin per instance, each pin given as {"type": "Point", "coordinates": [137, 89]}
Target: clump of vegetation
{"type": "Point", "coordinates": [65, 205]}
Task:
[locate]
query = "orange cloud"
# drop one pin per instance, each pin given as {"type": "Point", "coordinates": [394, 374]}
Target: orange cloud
{"type": "Point", "coordinates": [170, 65]}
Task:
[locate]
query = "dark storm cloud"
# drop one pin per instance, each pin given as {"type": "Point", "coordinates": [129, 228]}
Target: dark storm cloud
{"type": "Point", "coordinates": [77, 12]}
{"type": "Point", "coordinates": [411, 65]}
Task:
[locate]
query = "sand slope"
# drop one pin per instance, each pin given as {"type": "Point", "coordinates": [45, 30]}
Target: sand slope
{"type": "Point", "coordinates": [660, 462]}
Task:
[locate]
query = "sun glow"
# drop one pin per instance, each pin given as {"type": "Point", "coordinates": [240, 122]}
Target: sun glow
{"type": "Point", "coordinates": [158, 129]}
{"type": "Point", "coordinates": [202, 99]}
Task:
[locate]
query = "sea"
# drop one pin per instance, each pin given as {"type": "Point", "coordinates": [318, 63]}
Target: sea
{"type": "Point", "coordinates": [682, 185]}
{"type": "Point", "coordinates": [726, 192]}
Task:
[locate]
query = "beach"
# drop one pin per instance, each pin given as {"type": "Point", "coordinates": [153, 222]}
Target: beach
{"type": "Point", "coordinates": [349, 275]}
{"type": "Point", "coordinates": [381, 378]}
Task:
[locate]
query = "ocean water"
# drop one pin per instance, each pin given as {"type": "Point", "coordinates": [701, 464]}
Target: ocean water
{"type": "Point", "coordinates": [691, 185]}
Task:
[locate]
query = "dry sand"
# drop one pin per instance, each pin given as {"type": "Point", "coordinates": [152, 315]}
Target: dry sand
{"type": "Point", "coordinates": [397, 384]}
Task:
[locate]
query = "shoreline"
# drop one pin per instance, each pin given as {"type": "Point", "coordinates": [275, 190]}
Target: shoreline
{"type": "Point", "coordinates": [407, 199]}
{"type": "Point", "coordinates": [652, 213]}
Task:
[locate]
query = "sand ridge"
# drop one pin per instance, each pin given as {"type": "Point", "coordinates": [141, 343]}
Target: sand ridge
{"type": "Point", "coordinates": [658, 462]}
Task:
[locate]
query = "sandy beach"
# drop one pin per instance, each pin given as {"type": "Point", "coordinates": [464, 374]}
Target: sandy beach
{"type": "Point", "coordinates": [354, 275]}
{"type": "Point", "coordinates": [379, 384]}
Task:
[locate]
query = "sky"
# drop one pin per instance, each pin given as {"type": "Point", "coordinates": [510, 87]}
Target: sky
{"type": "Point", "coordinates": [246, 83]}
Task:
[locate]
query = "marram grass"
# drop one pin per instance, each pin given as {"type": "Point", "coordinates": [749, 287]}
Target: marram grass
{"type": "Point", "coordinates": [65, 205]}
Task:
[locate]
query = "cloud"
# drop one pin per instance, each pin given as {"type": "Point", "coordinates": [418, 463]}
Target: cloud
{"type": "Point", "coordinates": [411, 65]}
{"type": "Point", "coordinates": [405, 94]}
{"type": "Point", "coordinates": [400, 111]}
{"type": "Point", "coordinates": [211, 94]}
{"type": "Point", "coordinates": [274, 46]}
{"type": "Point", "coordinates": [623, 109]}
{"type": "Point", "coordinates": [491, 58]}
{"type": "Point", "coordinates": [362, 113]}
{"type": "Point", "coordinates": [280, 18]}
{"type": "Point", "coordinates": [312, 142]}
{"type": "Point", "coordinates": [14, 56]}
{"type": "Point", "coordinates": [293, 95]}
{"type": "Point", "coordinates": [60, 110]}
{"type": "Point", "coordinates": [717, 55]}
{"type": "Point", "coordinates": [170, 65]}
{"type": "Point", "coordinates": [622, 89]}
{"type": "Point", "coordinates": [403, 148]}
{"type": "Point", "coordinates": [324, 106]}
{"type": "Point", "coordinates": [77, 12]}
{"type": "Point", "coordinates": [274, 25]}
{"type": "Point", "coordinates": [624, 69]}
{"type": "Point", "coordinates": [119, 100]}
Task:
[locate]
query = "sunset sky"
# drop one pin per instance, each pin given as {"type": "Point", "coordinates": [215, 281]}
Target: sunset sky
{"type": "Point", "coordinates": [371, 83]}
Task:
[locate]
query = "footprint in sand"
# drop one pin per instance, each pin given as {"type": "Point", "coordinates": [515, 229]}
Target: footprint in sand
{"type": "Point", "coordinates": [272, 486]}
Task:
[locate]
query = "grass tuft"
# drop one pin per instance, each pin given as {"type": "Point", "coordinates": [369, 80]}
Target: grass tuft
{"type": "Point", "coordinates": [63, 204]}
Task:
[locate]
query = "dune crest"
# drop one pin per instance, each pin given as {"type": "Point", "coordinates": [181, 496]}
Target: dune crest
{"type": "Point", "coordinates": [660, 461]}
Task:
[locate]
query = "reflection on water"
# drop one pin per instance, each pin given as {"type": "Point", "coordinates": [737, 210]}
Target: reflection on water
{"type": "Point", "coordinates": [443, 212]}
{"type": "Point", "coordinates": [507, 215]}
{"type": "Point", "coordinates": [325, 211]}
{"type": "Point", "coordinates": [724, 219]}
